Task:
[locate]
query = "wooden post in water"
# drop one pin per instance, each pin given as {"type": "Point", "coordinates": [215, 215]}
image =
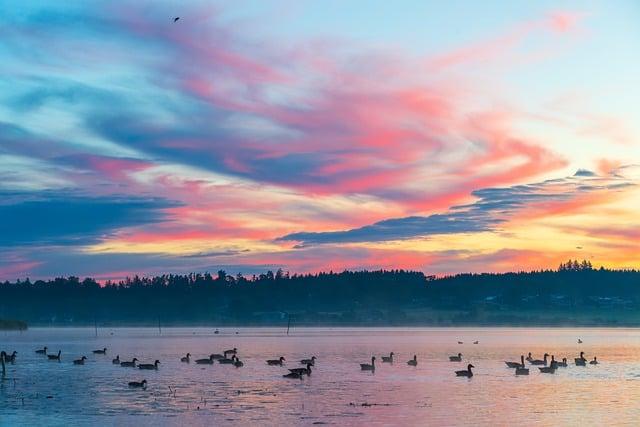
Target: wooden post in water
{"type": "Point", "coordinates": [4, 369]}
{"type": "Point", "coordinates": [288, 323]}
{"type": "Point", "coordinates": [159, 328]}
{"type": "Point", "coordinates": [95, 324]}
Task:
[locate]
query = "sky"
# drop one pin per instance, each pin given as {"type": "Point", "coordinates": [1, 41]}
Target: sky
{"type": "Point", "coordinates": [311, 136]}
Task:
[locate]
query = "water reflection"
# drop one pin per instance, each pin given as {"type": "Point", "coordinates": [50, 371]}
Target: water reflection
{"type": "Point", "coordinates": [337, 392]}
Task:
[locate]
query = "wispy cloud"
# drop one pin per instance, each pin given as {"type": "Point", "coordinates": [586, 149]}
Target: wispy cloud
{"type": "Point", "coordinates": [492, 207]}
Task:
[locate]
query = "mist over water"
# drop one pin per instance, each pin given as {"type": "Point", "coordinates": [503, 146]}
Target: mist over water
{"type": "Point", "coordinates": [38, 391]}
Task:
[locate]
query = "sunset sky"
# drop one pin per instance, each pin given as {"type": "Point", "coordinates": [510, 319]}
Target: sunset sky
{"type": "Point", "coordinates": [317, 135]}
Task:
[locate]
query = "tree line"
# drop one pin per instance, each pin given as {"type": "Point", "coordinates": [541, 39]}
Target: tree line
{"type": "Point", "coordinates": [348, 297]}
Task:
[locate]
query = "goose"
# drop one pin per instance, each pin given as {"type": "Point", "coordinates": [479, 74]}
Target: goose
{"type": "Point", "coordinates": [562, 364]}
{"type": "Point", "coordinates": [521, 370]}
{"type": "Point", "coordinates": [594, 361]}
{"type": "Point", "coordinates": [540, 362]}
{"type": "Point", "coordinates": [187, 358]}
{"type": "Point", "coordinates": [276, 362]}
{"type": "Point", "coordinates": [367, 367]}
{"type": "Point", "coordinates": [232, 351]}
{"type": "Point", "coordinates": [226, 361]}
{"type": "Point", "coordinates": [460, 342]}
{"type": "Point", "coordinates": [414, 361]}
{"type": "Point", "coordinates": [80, 361]}
{"type": "Point", "coordinates": [149, 366]}
{"type": "Point", "coordinates": [307, 361]}
{"type": "Point", "coordinates": [579, 341]}
{"type": "Point", "coordinates": [138, 384]}
{"type": "Point", "coordinates": [457, 358]}
{"type": "Point", "coordinates": [131, 364]}
{"type": "Point", "coordinates": [580, 361]}
{"type": "Point", "coordinates": [529, 358]}
{"type": "Point", "coordinates": [116, 361]}
{"type": "Point", "coordinates": [476, 342]}
{"type": "Point", "coordinates": [238, 363]}
{"type": "Point", "coordinates": [306, 370]}
{"type": "Point", "coordinates": [294, 375]}
{"type": "Point", "coordinates": [389, 359]}
{"type": "Point", "coordinates": [516, 364]}
{"type": "Point", "coordinates": [42, 351]}
{"type": "Point", "coordinates": [103, 351]}
{"type": "Point", "coordinates": [54, 356]}
{"type": "Point", "coordinates": [551, 369]}
{"type": "Point", "coordinates": [207, 361]}
{"type": "Point", "coordinates": [467, 372]}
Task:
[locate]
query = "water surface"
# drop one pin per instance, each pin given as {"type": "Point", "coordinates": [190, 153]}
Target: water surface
{"type": "Point", "coordinates": [38, 391]}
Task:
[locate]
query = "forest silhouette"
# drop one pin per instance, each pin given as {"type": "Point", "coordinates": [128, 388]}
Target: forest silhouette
{"type": "Point", "coordinates": [574, 294]}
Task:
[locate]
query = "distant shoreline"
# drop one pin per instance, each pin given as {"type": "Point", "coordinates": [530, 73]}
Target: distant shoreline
{"type": "Point", "coordinates": [13, 325]}
{"type": "Point", "coordinates": [337, 325]}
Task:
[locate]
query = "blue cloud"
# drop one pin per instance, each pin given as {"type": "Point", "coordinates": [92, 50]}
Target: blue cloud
{"type": "Point", "coordinates": [57, 218]}
{"type": "Point", "coordinates": [492, 207]}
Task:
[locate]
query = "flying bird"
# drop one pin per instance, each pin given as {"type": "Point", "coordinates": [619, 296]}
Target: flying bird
{"type": "Point", "coordinates": [176, 19]}
{"type": "Point", "coordinates": [578, 247]}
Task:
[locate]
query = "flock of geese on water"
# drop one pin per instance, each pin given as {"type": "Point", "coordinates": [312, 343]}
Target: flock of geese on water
{"type": "Point", "coordinates": [544, 365]}
{"type": "Point", "coordinates": [222, 359]}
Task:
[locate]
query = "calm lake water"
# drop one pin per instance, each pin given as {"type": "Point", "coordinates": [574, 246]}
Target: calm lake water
{"type": "Point", "coordinates": [37, 391]}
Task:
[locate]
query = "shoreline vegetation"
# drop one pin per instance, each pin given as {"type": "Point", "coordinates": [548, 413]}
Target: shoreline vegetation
{"type": "Point", "coordinates": [575, 294]}
{"type": "Point", "coordinates": [13, 325]}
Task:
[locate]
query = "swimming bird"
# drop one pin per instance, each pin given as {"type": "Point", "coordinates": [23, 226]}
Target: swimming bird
{"type": "Point", "coordinates": [307, 361]}
{"type": "Point", "coordinates": [516, 364]}
{"type": "Point", "coordinates": [551, 369]}
{"type": "Point", "coordinates": [540, 362]}
{"type": "Point", "coordinates": [476, 342]}
{"type": "Point", "coordinates": [80, 361]}
{"type": "Point", "coordinates": [232, 351]}
{"type": "Point", "coordinates": [207, 361]}
{"type": "Point", "coordinates": [226, 361]}
{"type": "Point", "coordinates": [103, 351]}
{"type": "Point", "coordinates": [414, 361]}
{"type": "Point", "coordinates": [218, 356]}
{"type": "Point", "coordinates": [580, 361]}
{"type": "Point", "coordinates": [54, 356]}
{"type": "Point", "coordinates": [389, 359]}
{"type": "Point", "coordinates": [521, 370]}
{"type": "Point", "coordinates": [149, 366]}
{"type": "Point", "coordinates": [457, 358]}
{"type": "Point", "coordinates": [306, 370]}
{"type": "Point", "coordinates": [276, 362]}
{"type": "Point", "coordinates": [238, 363]}
{"type": "Point", "coordinates": [467, 372]}
{"type": "Point", "coordinates": [579, 341]}
{"type": "Point", "coordinates": [529, 358]}
{"type": "Point", "coordinates": [131, 364]}
{"type": "Point", "coordinates": [294, 375]}
{"type": "Point", "coordinates": [367, 367]}
{"type": "Point", "coordinates": [116, 361]}
{"type": "Point", "coordinates": [187, 358]}
{"type": "Point", "coordinates": [460, 342]}
{"type": "Point", "coordinates": [562, 364]}
{"type": "Point", "coordinates": [138, 384]}
{"type": "Point", "coordinates": [42, 351]}
{"type": "Point", "coordinates": [594, 361]}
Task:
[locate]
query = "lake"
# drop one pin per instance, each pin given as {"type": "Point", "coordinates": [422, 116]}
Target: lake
{"type": "Point", "coordinates": [37, 391]}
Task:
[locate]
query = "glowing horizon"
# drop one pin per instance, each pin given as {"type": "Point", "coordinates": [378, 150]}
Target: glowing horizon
{"type": "Point", "coordinates": [315, 137]}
